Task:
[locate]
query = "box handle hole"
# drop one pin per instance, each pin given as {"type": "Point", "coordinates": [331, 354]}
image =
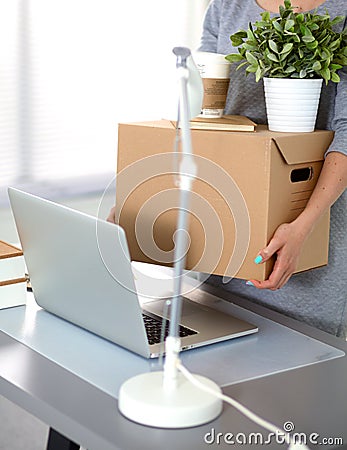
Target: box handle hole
{"type": "Point", "coordinates": [303, 174]}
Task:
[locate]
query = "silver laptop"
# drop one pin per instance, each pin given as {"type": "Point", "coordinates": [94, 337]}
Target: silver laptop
{"type": "Point", "coordinates": [80, 270]}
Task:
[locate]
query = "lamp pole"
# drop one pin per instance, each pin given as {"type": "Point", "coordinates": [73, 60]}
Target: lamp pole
{"type": "Point", "coordinates": [165, 398]}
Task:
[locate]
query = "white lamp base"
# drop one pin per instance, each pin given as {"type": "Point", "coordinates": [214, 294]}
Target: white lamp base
{"type": "Point", "coordinates": [143, 399]}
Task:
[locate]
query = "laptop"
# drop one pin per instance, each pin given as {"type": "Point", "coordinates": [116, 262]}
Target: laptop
{"type": "Point", "coordinates": [80, 270]}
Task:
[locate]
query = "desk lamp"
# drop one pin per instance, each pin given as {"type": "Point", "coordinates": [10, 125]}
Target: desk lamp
{"type": "Point", "coordinates": [166, 399]}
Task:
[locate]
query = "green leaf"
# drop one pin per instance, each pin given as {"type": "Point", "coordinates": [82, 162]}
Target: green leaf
{"type": "Point", "coordinates": [305, 30]}
{"type": "Point", "coordinates": [261, 24]}
{"type": "Point", "coordinates": [287, 48]}
{"type": "Point", "coordinates": [337, 19]}
{"type": "Point", "coordinates": [272, 57]}
{"type": "Point", "coordinates": [335, 66]}
{"type": "Point", "coordinates": [252, 69]}
{"type": "Point", "coordinates": [342, 60]}
{"type": "Point", "coordinates": [308, 38]}
{"type": "Point", "coordinates": [249, 46]}
{"type": "Point", "coordinates": [235, 41]}
{"type": "Point", "coordinates": [275, 70]}
{"type": "Point", "coordinates": [251, 59]}
{"type": "Point", "coordinates": [241, 65]}
{"type": "Point", "coordinates": [323, 17]}
{"type": "Point", "coordinates": [283, 57]}
{"type": "Point", "coordinates": [296, 38]}
{"type": "Point", "coordinates": [290, 69]}
{"type": "Point", "coordinates": [289, 33]}
{"type": "Point", "coordinates": [325, 54]}
{"type": "Point", "coordinates": [325, 73]}
{"type": "Point", "coordinates": [334, 45]}
{"type": "Point", "coordinates": [273, 46]}
{"type": "Point", "coordinates": [250, 35]}
{"type": "Point", "coordinates": [234, 57]}
{"type": "Point", "coordinates": [241, 33]}
{"type": "Point", "coordinates": [237, 38]}
{"type": "Point", "coordinates": [334, 77]}
{"type": "Point", "coordinates": [316, 66]}
{"type": "Point", "coordinates": [326, 40]}
{"type": "Point", "coordinates": [258, 74]}
{"type": "Point", "coordinates": [289, 24]}
{"type": "Point", "coordinates": [265, 16]}
{"type": "Point", "coordinates": [312, 45]}
{"type": "Point", "coordinates": [302, 73]}
{"type": "Point", "coordinates": [277, 26]}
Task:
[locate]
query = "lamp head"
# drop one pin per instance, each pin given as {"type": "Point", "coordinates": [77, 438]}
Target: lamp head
{"type": "Point", "coordinates": [194, 84]}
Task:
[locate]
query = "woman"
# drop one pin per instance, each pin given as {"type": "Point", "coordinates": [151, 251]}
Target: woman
{"type": "Point", "coordinates": [317, 297]}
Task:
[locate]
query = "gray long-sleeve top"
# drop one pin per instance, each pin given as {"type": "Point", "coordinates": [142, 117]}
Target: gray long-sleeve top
{"type": "Point", "coordinates": [319, 296]}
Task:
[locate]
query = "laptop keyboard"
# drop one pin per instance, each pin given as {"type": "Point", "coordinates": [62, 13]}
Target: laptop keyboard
{"type": "Point", "coordinates": [153, 327]}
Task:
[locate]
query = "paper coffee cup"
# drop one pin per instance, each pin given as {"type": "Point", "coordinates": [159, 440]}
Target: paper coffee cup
{"type": "Point", "coordinates": [214, 70]}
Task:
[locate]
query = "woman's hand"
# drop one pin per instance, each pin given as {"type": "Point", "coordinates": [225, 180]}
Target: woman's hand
{"type": "Point", "coordinates": [289, 238]}
{"type": "Point", "coordinates": [286, 244]}
{"type": "Point", "coordinates": [111, 215]}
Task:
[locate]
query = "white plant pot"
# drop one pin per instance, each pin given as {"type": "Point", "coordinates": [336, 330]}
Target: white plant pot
{"type": "Point", "coordinates": [291, 103]}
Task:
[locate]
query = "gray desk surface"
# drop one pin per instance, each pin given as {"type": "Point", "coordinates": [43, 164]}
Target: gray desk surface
{"type": "Point", "coordinates": [313, 395]}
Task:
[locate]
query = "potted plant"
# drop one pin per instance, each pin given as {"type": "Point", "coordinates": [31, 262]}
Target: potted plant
{"type": "Point", "coordinates": [292, 51]}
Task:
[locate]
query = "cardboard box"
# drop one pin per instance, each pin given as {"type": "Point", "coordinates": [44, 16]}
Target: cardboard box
{"type": "Point", "coordinates": [248, 184]}
{"type": "Point", "coordinates": [12, 276]}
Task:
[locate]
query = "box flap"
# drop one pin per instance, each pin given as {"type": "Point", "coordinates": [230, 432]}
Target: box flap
{"type": "Point", "coordinates": [304, 147]}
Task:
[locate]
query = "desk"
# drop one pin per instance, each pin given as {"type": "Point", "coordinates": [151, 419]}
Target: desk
{"type": "Point", "coordinates": [313, 397]}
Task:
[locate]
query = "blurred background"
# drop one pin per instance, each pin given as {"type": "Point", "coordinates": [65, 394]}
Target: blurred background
{"type": "Point", "coordinates": [70, 71]}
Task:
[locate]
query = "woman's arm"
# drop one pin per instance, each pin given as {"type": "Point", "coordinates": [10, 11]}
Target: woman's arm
{"type": "Point", "coordinates": [289, 238]}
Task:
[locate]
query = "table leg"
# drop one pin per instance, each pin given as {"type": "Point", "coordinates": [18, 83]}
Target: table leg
{"type": "Point", "coordinates": [57, 441]}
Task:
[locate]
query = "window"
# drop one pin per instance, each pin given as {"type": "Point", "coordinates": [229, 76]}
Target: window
{"type": "Point", "coordinates": [70, 72]}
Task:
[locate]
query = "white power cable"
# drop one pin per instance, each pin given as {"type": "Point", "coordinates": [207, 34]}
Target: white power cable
{"type": "Point", "coordinates": [245, 411]}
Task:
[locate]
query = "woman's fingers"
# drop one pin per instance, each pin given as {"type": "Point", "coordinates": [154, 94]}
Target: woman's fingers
{"type": "Point", "coordinates": [286, 246]}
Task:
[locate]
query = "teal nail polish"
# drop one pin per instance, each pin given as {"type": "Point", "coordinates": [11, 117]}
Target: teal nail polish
{"type": "Point", "coordinates": [258, 259]}
{"type": "Point", "coordinates": [249, 283]}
